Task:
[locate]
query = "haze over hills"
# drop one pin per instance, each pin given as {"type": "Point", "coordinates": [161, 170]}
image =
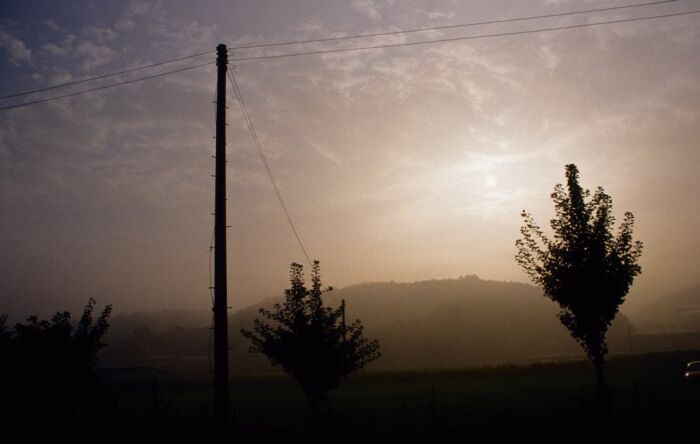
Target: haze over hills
{"type": "Point", "coordinates": [675, 312]}
{"type": "Point", "coordinates": [462, 322]}
{"type": "Point", "coordinates": [446, 323]}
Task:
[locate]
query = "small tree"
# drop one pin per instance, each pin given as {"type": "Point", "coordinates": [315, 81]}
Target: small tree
{"type": "Point", "coordinates": [584, 267]}
{"type": "Point", "coordinates": [69, 351]}
{"type": "Point", "coordinates": [48, 365]}
{"type": "Point", "coordinates": [309, 341]}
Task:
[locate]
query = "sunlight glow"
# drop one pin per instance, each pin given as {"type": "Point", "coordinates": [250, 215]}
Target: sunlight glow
{"type": "Point", "coordinates": [490, 181]}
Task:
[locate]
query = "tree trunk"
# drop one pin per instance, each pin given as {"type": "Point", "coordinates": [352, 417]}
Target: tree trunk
{"type": "Point", "coordinates": [315, 407]}
{"type": "Point", "coordinates": [604, 395]}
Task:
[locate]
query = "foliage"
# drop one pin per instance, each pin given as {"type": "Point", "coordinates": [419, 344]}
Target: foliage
{"type": "Point", "coordinates": [54, 355]}
{"type": "Point", "coordinates": [47, 367]}
{"type": "Point", "coordinates": [585, 267]}
{"type": "Point", "coordinates": [308, 340]}
{"type": "Point", "coordinates": [5, 335]}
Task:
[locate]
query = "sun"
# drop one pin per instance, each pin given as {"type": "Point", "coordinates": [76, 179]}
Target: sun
{"type": "Point", "coordinates": [490, 181]}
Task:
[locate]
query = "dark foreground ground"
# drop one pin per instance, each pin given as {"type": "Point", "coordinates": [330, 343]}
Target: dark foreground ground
{"type": "Point", "coordinates": [545, 401]}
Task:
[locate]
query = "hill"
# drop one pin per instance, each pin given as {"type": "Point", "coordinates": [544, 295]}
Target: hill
{"type": "Point", "coordinates": [451, 323]}
{"type": "Point", "coordinates": [434, 324]}
{"type": "Point", "coordinates": [674, 312]}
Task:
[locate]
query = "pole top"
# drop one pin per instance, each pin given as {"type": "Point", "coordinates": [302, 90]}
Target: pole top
{"type": "Point", "coordinates": [221, 54]}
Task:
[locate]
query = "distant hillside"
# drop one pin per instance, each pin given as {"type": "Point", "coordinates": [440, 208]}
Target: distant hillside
{"type": "Point", "coordinates": [675, 312]}
{"type": "Point", "coordinates": [446, 323]}
{"type": "Point", "coordinates": [451, 323]}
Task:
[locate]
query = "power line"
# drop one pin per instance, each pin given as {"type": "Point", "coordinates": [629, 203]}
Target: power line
{"type": "Point", "coordinates": [327, 51]}
{"type": "Point", "coordinates": [99, 88]}
{"type": "Point", "coordinates": [258, 146]}
{"type": "Point", "coordinates": [104, 76]}
{"type": "Point", "coordinates": [356, 36]}
{"type": "Point", "coordinates": [330, 39]}
{"type": "Point", "coordinates": [454, 39]}
{"type": "Point", "coordinates": [436, 28]}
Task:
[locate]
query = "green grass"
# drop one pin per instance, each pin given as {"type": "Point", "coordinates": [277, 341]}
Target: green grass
{"type": "Point", "coordinates": [548, 401]}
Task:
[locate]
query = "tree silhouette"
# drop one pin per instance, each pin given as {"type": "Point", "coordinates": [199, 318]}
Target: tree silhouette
{"type": "Point", "coordinates": [48, 365]}
{"type": "Point", "coordinates": [309, 340]}
{"type": "Point", "coordinates": [585, 267]}
{"type": "Point", "coordinates": [70, 350]}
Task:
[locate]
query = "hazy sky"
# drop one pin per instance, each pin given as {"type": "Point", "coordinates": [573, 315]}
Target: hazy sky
{"type": "Point", "coordinates": [402, 164]}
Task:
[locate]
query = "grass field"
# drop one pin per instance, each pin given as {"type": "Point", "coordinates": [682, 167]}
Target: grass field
{"type": "Point", "coordinates": [546, 401]}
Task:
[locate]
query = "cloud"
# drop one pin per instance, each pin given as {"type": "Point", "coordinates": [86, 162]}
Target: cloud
{"type": "Point", "coordinates": [551, 59]}
{"type": "Point", "coordinates": [55, 50]}
{"type": "Point", "coordinates": [124, 24]}
{"type": "Point", "coordinates": [312, 25]}
{"type": "Point", "coordinates": [328, 154]}
{"type": "Point", "coordinates": [62, 48]}
{"type": "Point", "coordinates": [94, 55]}
{"type": "Point", "coordinates": [499, 206]}
{"type": "Point", "coordinates": [68, 41]}
{"type": "Point", "coordinates": [52, 25]}
{"type": "Point", "coordinates": [440, 15]}
{"type": "Point", "coordinates": [152, 22]}
{"type": "Point", "coordinates": [100, 34]}
{"type": "Point", "coordinates": [59, 75]}
{"type": "Point", "coordinates": [368, 8]}
{"type": "Point", "coordinates": [142, 8]}
{"type": "Point", "coordinates": [17, 51]}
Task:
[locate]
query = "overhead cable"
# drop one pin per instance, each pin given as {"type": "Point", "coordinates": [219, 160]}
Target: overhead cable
{"type": "Point", "coordinates": [437, 28]}
{"type": "Point", "coordinates": [99, 88]}
{"type": "Point", "coordinates": [261, 153]}
{"type": "Point", "coordinates": [454, 39]}
{"type": "Point", "coordinates": [326, 51]}
{"type": "Point", "coordinates": [104, 76]}
{"type": "Point", "coordinates": [331, 39]}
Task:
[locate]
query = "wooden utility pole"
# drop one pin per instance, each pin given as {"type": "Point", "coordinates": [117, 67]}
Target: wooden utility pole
{"type": "Point", "coordinates": [220, 298]}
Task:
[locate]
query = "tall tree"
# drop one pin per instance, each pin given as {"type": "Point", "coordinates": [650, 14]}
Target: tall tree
{"type": "Point", "coordinates": [585, 267]}
{"type": "Point", "coordinates": [309, 340]}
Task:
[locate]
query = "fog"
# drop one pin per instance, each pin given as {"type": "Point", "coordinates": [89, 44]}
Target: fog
{"type": "Point", "coordinates": [435, 324]}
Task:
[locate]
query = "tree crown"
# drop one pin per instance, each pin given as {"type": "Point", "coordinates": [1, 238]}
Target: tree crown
{"type": "Point", "coordinates": [584, 267]}
{"type": "Point", "coordinates": [54, 359]}
{"type": "Point", "coordinates": [308, 340]}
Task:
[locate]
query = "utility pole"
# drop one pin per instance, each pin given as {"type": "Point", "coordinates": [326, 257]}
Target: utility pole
{"type": "Point", "coordinates": [220, 298]}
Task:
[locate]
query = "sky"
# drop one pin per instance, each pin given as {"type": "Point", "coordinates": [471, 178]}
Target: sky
{"type": "Point", "coordinates": [403, 164]}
